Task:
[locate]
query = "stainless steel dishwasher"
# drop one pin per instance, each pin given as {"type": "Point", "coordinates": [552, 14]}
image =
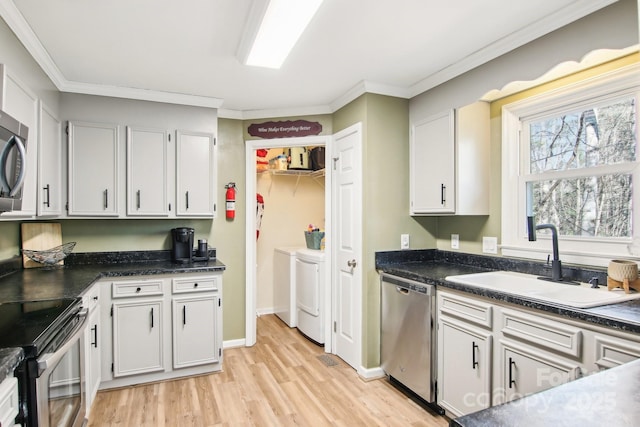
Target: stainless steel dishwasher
{"type": "Point", "coordinates": [407, 339]}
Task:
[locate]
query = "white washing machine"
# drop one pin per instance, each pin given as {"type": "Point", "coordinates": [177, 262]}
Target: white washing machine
{"type": "Point", "coordinates": [310, 283]}
{"type": "Point", "coordinates": [284, 284]}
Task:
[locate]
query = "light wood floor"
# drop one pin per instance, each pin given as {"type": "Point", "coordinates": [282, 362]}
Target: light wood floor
{"type": "Point", "coordinates": [278, 382]}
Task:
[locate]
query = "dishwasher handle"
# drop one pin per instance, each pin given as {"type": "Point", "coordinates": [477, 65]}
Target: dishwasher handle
{"type": "Point", "coordinates": [403, 291]}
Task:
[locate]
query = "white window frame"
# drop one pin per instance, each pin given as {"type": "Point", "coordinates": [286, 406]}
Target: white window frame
{"type": "Point", "coordinates": [598, 252]}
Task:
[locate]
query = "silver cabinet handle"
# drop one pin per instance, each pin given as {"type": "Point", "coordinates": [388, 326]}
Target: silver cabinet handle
{"type": "Point", "coordinates": [352, 263]}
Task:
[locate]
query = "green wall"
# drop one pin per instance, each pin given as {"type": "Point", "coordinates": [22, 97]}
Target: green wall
{"type": "Point", "coordinates": [385, 123]}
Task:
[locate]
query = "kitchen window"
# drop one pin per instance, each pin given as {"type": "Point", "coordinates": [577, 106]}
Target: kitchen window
{"type": "Point", "coordinates": [570, 158]}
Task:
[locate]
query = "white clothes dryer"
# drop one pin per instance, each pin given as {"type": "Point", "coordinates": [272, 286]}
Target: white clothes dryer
{"type": "Point", "coordinates": [284, 284]}
{"type": "Point", "coordinates": [310, 283]}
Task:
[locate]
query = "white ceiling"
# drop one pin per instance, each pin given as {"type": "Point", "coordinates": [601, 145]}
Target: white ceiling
{"type": "Point", "coordinates": [186, 51]}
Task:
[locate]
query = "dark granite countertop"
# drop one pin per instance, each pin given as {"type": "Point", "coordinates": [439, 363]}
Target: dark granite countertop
{"type": "Point", "coordinates": [78, 273]}
{"type": "Point", "coordinates": [9, 360]}
{"type": "Point", "coordinates": [608, 398]}
{"type": "Point", "coordinates": [432, 266]}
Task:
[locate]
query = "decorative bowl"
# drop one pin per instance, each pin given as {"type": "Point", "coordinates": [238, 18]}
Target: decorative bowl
{"type": "Point", "coordinates": [50, 256]}
{"type": "Point", "coordinates": [620, 269]}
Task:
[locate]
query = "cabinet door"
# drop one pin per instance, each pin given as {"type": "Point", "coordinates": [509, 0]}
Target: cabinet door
{"type": "Point", "coordinates": [195, 180]}
{"type": "Point", "coordinates": [147, 170]}
{"type": "Point", "coordinates": [22, 104]}
{"type": "Point", "coordinates": [50, 164]}
{"type": "Point", "coordinates": [464, 367]}
{"type": "Point", "coordinates": [92, 363]}
{"type": "Point", "coordinates": [195, 340]}
{"type": "Point", "coordinates": [526, 371]}
{"type": "Point", "coordinates": [137, 337]}
{"type": "Point", "coordinates": [93, 169]}
{"type": "Point", "coordinates": [9, 402]}
{"type": "Point", "coordinates": [432, 165]}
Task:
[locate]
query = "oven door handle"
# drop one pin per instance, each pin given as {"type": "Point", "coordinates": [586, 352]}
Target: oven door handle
{"type": "Point", "coordinates": [48, 360]}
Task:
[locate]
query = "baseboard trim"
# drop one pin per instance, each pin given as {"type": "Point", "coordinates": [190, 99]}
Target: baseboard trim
{"type": "Point", "coordinates": [265, 311]}
{"type": "Point", "coordinates": [369, 374]}
{"type": "Point", "coordinates": [234, 343]}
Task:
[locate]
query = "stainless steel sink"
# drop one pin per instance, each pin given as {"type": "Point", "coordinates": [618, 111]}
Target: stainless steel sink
{"type": "Point", "coordinates": [529, 286]}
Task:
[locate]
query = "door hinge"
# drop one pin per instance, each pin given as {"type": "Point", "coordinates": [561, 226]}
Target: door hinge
{"type": "Point", "coordinates": [111, 310]}
{"type": "Point", "coordinates": [215, 207]}
{"type": "Point", "coordinates": [335, 326]}
{"type": "Point", "coordinates": [435, 389]}
{"type": "Point", "coordinates": [169, 137]}
{"type": "Point", "coordinates": [220, 352]}
{"type": "Point", "coordinates": [112, 367]}
{"type": "Point", "coordinates": [219, 302]}
{"type": "Point", "coordinates": [66, 129]}
{"type": "Point", "coordinates": [215, 141]}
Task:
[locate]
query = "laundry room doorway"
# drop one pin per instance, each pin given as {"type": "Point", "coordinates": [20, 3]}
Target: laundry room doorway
{"type": "Point", "coordinates": [283, 199]}
{"type": "Point", "coordinates": [341, 290]}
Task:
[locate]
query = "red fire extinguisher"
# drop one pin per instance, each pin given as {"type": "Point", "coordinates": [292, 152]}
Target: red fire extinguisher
{"type": "Point", "coordinates": [231, 200]}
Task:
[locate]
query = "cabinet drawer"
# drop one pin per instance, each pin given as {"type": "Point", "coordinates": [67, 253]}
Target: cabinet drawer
{"type": "Point", "coordinates": [473, 311]}
{"type": "Point", "coordinates": [8, 401]}
{"type": "Point", "coordinates": [134, 289]}
{"type": "Point", "coordinates": [542, 332]}
{"type": "Point", "coordinates": [611, 352]}
{"type": "Point", "coordinates": [195, 284]}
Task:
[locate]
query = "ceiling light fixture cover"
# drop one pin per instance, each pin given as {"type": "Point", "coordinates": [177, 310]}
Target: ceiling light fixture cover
{"type": "Point", "coordinates": [282, 24]}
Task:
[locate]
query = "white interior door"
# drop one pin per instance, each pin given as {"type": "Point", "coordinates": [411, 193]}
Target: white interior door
{"type": "Point", "coordinates": [346, 164]}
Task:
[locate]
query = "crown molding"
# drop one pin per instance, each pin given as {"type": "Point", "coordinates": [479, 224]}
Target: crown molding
{"type": "Point", "coordinates": [141, 94]}
{"type": "Point", "coordinates": [224, 113]}
{"type": "Point", "coordinates": [570, 13]}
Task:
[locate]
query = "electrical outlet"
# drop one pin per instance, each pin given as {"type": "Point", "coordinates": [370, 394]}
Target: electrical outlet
{"type": "Point", "coordinates": [490, 245]}
{"type": "Point", "coordinates": [455, 241]}
{"type": "Point", "coordinates": [404, 241]}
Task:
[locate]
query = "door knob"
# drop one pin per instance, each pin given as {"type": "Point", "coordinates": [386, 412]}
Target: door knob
{"type": "Point", "coordinates": [352, 263]}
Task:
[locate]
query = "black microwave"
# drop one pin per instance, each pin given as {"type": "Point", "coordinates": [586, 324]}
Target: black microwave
{"type": "Point", "coordinates": [13, 162]}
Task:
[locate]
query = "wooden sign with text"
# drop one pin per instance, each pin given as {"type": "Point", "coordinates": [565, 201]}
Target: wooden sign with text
{"type": "Point", "coordinates": [284, 129]}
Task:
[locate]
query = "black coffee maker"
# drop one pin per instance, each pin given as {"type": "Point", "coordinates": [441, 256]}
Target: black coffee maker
{"type": "Point", "coordinates": [182, 239]}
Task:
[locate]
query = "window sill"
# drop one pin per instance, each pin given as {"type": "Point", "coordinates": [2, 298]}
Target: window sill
{"type": "Point", "coordinates": [567, 257]}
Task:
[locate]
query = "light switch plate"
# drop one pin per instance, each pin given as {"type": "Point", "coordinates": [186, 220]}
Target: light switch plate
{"type": "Point", "coordinates": [490, 245]}
{"type": "Point", "coordinates": [455, 241]}
{"type": "Point", "coordinates": [404, 241]}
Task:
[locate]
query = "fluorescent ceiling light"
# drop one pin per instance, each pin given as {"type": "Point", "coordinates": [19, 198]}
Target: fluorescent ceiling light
{"type": "Point", "coordinates": [282, 25]}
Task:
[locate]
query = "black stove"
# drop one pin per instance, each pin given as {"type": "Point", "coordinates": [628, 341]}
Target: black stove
{"type": "Point", "coordinates": [34, 324]}
{"type": "Point", "coordinates": [41, 329]}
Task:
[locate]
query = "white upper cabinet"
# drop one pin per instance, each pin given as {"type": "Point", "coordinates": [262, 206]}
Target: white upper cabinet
{"type": "Point", "coordinates": [432, 164]}
{"type": "Point", "coordinates": [93, 169]}
{"type": "Point", "coordinates": [449, 162]}
{"type": "Point", "coordinates": [147, 172]}
{"type": "Point", "coordinates": [195, 174]}
{"type": "Point", "coordinates": [49, 164]}
{"type": "Point", "coordinates": [22, 104]}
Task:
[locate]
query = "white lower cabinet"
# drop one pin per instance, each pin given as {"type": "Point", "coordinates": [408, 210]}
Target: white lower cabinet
{"type": "Point", "coordinates": [137, 337]}
{"type": "Point", "coordinates": [8, 401]}
{"type": "Point", "coordinates": [92, 345]}
{"type": "Point", "coordinates": [491, 352]}
{"type": "Point", "coordinates": [160, 327]}
{"type": "Point", "coordinates": [526, 371]}
{"type": "Point", "coordinates": [464, 353]}
{"type": "Point", "coordinates": [194, 320]}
